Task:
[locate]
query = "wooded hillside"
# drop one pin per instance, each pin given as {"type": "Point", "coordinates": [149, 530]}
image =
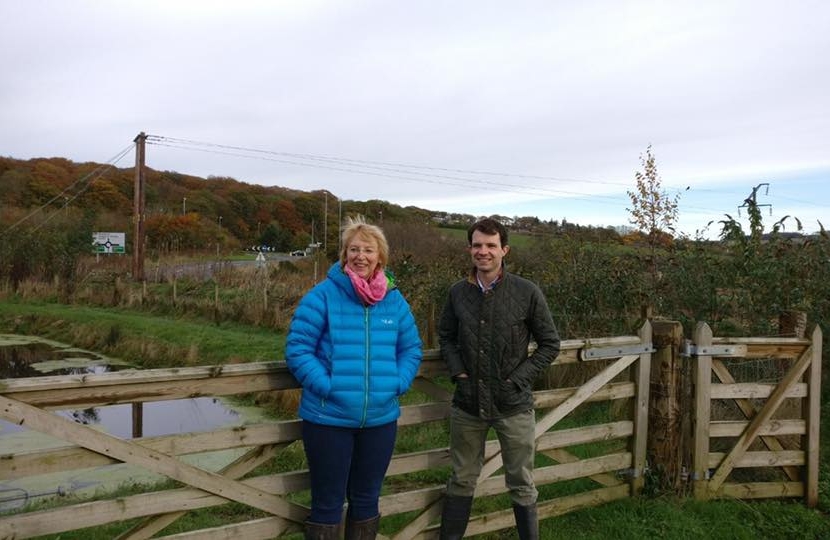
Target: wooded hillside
{"type": "Point", "coordinates": [191, 213]}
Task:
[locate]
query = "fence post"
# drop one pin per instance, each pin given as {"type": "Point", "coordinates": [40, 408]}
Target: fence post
{"type": "Point", "coordinates": [641, 375]}
{"type": "Point", "coordinates": [703, 411]}
{"type": "Point", "coordinates": [430, 329]}
{"type": "Point", "coordinates": [665, 435]}
{"type": "Point", "coordinates": [812, 413]}
{"type": "Point", "coordinates": [138, 420]}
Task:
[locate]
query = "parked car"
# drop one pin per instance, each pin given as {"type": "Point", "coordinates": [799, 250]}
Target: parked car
{"type": "Point", "coordinates": [297, 253]}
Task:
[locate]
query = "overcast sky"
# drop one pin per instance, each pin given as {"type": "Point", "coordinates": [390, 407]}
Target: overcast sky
{"type": "Point", "coordinates": [517, 108]}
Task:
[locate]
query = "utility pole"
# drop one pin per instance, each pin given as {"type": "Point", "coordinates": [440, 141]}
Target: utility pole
{"type": "Point", "coordinates": [751, 201]}
{"type": "Point", "coordinates": [339, 225]}
{"type": "Point", "coordinates": [325, 222]}
{"type": "Point", "coordinates": [138, 209]}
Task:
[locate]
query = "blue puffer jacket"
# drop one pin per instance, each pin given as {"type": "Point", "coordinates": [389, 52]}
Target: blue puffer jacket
{"type": "Point", "coordinates": [352, 360]}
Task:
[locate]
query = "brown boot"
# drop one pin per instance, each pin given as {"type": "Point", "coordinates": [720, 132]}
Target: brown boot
{"type": "Point", "coordinates": [322, 531]}
{"type": "Point", "coordinates": [362, 530]}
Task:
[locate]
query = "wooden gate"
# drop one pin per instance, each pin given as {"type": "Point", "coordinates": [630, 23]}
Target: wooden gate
{"type": "Point", "coordinates": [591, 438]}
{"type": "Point", "coordinates": [766, 427]}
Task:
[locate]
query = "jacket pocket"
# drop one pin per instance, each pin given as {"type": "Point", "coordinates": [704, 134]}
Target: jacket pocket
{"type": "Point", "coordinates": [464, 395]}
{"type": "Point", "coordinates": [510, 396]}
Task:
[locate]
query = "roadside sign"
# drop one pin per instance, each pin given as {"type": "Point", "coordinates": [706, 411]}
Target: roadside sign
{"type": "Point", "coordinates": [108, 242]}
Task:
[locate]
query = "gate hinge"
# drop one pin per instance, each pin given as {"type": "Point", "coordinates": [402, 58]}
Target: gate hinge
{"type": "Point", "coordinates": [629, 473]}
{"type": "Point", "coordinates": [601, 353]}
{"type": "Point", "coordinates": [691, 349]}
{"type": "Point", "coordinates": [707, 474]}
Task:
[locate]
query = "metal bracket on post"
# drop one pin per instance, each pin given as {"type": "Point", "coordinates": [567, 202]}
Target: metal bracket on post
{"type": "Point", "coordinates": [629, 473]}
{"type": "Point", "coordinates": [690, 349]}
{"type": "Point", "coordinates": [707, 474]}
{"type": "Point", "coordinates": [601, 353]}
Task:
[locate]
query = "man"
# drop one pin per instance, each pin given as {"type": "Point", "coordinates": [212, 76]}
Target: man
{"type": "Point", "coordinates": [484, 333]}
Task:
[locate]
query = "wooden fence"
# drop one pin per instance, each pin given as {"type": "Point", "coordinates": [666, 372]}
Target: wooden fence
{"type": "Point", "coordinates": [591, 444]}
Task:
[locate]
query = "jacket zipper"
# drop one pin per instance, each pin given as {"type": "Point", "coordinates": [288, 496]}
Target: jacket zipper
{"type": "Point", "coordinates": [365, 366]}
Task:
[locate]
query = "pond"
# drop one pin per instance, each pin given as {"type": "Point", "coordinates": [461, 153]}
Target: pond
{"type": "Point", "coordinates": [26, 356]}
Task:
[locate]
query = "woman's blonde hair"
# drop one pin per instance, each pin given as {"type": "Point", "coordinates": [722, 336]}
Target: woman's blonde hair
{"type": "Point", "coordinates": [357, 227]}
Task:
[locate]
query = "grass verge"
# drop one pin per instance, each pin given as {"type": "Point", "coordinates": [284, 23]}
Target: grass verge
{"type": "Point", "coordinates": [142, 339]}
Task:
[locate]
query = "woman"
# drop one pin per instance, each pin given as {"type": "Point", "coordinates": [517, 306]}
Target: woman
{"type": "Point", "coordinates": [354, 347]}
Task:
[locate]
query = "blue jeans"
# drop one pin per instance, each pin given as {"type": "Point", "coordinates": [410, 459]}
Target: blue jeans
{"type": "Point", "coordinates": [468, 435]}
{"type": "Point", "coordinates": [347, 464]}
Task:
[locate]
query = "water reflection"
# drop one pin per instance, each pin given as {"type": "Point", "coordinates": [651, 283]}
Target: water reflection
{"type": "Point", "coordinates": [25, 356]}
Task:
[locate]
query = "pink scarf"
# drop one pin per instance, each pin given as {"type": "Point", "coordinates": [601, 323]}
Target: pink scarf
{"type": "Point", "coordinates": [371, 291]}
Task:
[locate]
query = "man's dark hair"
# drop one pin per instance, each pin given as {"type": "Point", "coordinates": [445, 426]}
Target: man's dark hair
{"type": "Point", "coordinates": [488, 226]}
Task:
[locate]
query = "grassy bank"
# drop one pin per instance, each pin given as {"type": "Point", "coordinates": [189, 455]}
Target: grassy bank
{"type": "Point", "coordinates": [142, 339]}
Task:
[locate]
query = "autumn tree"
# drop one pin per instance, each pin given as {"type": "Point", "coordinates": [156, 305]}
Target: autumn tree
{"type": "Point", "coordinates": [652, 210]}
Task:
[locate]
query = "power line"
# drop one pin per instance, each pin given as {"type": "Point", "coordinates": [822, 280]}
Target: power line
{"type": "Point", "coordinates": [374, 164]}
{"type": "Point", "coordinates": [424, 177]}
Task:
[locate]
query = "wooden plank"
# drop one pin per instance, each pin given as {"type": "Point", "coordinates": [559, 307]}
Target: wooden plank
{"type": "Point", "coordinates": [749, 411]}
{"type": "Point", "coordinates": [22, 413]}
{"type": "Point", "coordinates": [734, 428]}
{"type": "Point", "coordinates": [760, 490]}
{"type": "Point", "coordinates": [768, 347]}
{"type": "Point", "coordinates": [753, 391]}
{"type": "Point", "coordinates": [703, 403]}
{"type": "Point", "coordinates": [642, 378]}
{"type": "Point", "coordinates": [412, 500]}
{"type": "Point", "coordinates": [764, 341]}
{"type": "Point", "coordinates": [583, 468]}
{"type": "Point", "coordinates": [427, 412]}
{"type": "Point", "coordinates": [585, 435]}
{"type": "Point", "coordinates": [173, 388]}
{"type": "Point", "coordinates": [547, 399]}
{"type": "Point", "coordinates": [563, 457]}
{"type": "Point", "coordinates": [779, 458]}
{"type": "Point", "coordinates": [420, 461]}
{"type": "Point", "coordinates": [144, 376]}
{"type": "Point", "coordinates": [763, 415]}
{"type": "Point", "coordinates": [812, 413]}
{"type": "Point", "coordinates": [578, 501]}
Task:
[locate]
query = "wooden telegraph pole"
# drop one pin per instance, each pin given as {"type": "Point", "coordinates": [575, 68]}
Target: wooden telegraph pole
{"type": "Point", "coordinates": [138, 209]}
